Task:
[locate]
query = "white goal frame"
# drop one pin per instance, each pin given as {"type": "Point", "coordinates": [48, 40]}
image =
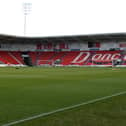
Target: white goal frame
{"type": "Point", "coordinates": [45, 62]}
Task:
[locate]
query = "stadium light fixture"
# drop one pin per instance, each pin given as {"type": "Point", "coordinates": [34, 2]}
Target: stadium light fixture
{"type": "Point", "coordinates": [27, 9]}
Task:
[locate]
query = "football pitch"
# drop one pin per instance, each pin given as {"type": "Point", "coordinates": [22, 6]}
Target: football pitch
{"type": "Point", "coordinates": [62, 96]}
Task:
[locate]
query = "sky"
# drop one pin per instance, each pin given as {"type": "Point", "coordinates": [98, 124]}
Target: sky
{"type": "Point", "coordinates": [63, 17]}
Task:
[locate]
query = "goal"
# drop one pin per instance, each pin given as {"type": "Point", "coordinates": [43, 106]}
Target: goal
{"type": "Point", "coordinates": [45, 62]}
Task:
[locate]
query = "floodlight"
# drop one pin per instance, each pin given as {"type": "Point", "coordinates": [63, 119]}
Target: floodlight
{"type": "Point", "coordinates": [27, 7]}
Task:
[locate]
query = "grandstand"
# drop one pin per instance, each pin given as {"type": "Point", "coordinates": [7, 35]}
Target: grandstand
{"type": "Point", "coordinates": [83, 50]}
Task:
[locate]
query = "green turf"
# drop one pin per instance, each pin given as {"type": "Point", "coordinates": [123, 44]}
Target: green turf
{"type": "Point", "coordinates": [27, 92]}
{"type": "Point", "coordinates": [110, 112]}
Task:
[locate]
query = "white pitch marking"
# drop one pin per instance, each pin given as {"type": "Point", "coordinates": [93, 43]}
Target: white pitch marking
{"type": "Point", "coordinates": [63, 109]}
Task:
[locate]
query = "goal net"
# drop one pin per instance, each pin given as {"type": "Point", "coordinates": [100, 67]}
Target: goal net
{"type": "Point", "coordinates": [45, 62]}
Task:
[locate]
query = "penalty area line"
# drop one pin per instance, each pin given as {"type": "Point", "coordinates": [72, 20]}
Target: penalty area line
{"type": "Point", "coordinates": [63, 109]}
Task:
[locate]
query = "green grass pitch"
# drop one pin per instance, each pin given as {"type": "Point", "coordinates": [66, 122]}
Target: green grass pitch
{"type": "Point", "coordinates": [27, 92]}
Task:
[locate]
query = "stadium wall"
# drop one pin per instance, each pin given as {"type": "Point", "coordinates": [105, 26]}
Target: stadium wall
{"type": "Point", "coordinates": [64, 46]}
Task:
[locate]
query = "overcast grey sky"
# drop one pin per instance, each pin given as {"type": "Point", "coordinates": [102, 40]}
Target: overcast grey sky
{"type": "Point", "coordinates": [63, 17]}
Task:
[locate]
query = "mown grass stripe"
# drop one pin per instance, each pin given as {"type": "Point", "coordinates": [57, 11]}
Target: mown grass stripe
{"type": "Point", "coordinates": [63, 109]}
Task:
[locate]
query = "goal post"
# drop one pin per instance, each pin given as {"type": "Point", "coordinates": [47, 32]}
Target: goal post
{"type": "Point", "coordinates": [45, 62]}
{"type": "Point", "coordinates": [116, 62]}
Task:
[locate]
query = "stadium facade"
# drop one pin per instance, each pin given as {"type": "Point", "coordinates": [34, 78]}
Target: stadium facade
{"type": "Point", "coordinates": [83, 50]}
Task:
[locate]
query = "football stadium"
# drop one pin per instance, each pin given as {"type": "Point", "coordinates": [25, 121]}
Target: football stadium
{"type": "Point", "coordinates": [75, 80]}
